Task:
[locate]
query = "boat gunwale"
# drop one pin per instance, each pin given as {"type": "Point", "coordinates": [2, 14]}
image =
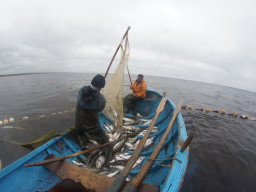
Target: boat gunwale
{"type": "Point", "coordinates": [21, 161]}
{"type": "Point", "coordinates": [170, 184]}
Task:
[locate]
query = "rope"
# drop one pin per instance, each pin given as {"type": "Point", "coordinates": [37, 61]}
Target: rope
{"type": "Point", "coordinates": [166, 159]}
{"type": "Point", "coordinates": [222, 111]}
{"type": "Point", "coordinates": [163, 165]}
{"type": "Point", "coordinates": [24, 118]}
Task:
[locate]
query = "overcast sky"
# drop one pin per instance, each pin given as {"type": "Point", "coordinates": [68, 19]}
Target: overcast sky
{"type": "Point", "coordinates": [210, 41]}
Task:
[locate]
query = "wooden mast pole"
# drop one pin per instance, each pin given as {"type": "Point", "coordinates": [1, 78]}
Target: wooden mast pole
{"type": "Point", "coordinates": [125, 34]}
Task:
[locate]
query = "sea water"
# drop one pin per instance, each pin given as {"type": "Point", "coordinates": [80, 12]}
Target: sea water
{"type": "Point", "coordinates": [222, 154]}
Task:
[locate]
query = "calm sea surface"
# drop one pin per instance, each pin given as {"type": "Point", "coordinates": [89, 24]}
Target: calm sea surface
{"type": "Point", "coordinates": [222, 153]}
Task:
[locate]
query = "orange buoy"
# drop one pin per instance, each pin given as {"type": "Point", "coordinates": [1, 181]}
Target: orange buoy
{"type": "Point", "coordinates": [244, 116]}
{"type": "Point", "coordinates": [235, 114]}
{"type": "Point", "coordinates": [223, 111]}
{"type": "Point", "coordinates": [24, 117]}
{"type": "Point", "coordinates": [189, 107]}
{"type": "Point", "coordinates": [6, 121]}
{"type": "Point", "coordinates": [207, 110]}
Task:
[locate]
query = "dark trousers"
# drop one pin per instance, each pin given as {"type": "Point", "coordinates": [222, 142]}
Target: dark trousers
{"type": "Point", "coordinates": [87, 125]}
{"type": "Point", "coordinates": [129, 103]}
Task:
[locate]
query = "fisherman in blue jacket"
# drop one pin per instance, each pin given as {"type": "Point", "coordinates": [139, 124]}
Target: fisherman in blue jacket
{"type": "Point", "coordinates": [89, 103]}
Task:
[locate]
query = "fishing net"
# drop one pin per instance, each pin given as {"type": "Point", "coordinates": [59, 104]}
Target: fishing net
{"type": "Point", "coordinates": [113, 90]}
{"type": "Point", "coordinates": [39, 142]}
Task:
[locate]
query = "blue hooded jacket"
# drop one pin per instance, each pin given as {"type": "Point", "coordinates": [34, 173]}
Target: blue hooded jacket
{"type": "Point", "coordinates": [90, 98]}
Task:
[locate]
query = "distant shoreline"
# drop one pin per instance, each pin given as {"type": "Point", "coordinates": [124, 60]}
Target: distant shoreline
{"type": "Point", "coordinates": [21, 74]}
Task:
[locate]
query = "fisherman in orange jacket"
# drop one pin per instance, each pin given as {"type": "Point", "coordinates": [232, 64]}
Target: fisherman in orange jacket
{"type": "Point", "coordinates": [139, 89]}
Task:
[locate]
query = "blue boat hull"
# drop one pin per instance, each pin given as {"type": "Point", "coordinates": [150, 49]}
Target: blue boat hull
{"type": "Point", "coordinates": [16, 177]}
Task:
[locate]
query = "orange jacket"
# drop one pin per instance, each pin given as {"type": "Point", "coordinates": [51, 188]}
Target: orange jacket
{"type": "Point", "coordinates": [139, 89]}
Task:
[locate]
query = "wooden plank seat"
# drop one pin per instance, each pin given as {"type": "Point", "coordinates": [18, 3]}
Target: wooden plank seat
{"type": "Point", "coordinates": [90, 180]}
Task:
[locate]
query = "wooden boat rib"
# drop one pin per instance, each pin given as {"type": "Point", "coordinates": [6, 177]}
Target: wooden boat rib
{"type": "Point", "coordinates": [166, 174]}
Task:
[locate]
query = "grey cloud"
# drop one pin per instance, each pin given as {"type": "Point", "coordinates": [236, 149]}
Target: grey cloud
{"type": "Point", "coordinates": [208, 41]}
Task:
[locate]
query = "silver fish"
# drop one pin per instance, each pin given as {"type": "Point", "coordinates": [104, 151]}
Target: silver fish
{"type": "Point", "coordinates": [142, 133]}
{"type": "Point", "coordinates": [85, 167]}
{"type": "Point", "coordinates": [127, 123]}
{"type": "Point", "coordinates": [118, 145]}
{"type": "Point", "coordinates": [104, 172]}
{"type": "Point", "coordinates": [136, 144]}
{"type": "Point", "coordinates": [113, 174]}
{"type": "Point", "coordinates": [110, 140]}
{"type": "Point", "coordinates": [128, 179]}
{"type": "Point", "coordinates": [127, 127]}
{"type": "Point", "coordinates": [115, 135]}
{"type": "Point", "coordinates": [114, 111]}
{"type": "Point", "coordinates": [101, 160]}
{"type": "Point", "coordinates": [107, 127]}
{"type": "Point", "coordinates": [112, 126]}
{"type": "Point", "coordinates": [120, 167]}
{"type": "Point", "coordinates": [122, 150]}
{"type": "Point", "coordinates": [132, 140]}
{"type": "Point", "coordinates": [127, 119]}
{"type": "Point", "coordinates": [111, 136]}
{"type": "Point", "coordinates": [93, 142]}
{"type": "Point", "coordinates": [149, 142]}
{"type": "Point", "coordinates": [127, 131]}
{"type": "Point", "coordinates": [122, 156]}
{"type": "Point", "coordinates": [79, 164]}
{"type": "Point", "coordinates": [130, 128]}
{"type": "Point", "coordinates": [155, 129]}
{"type": "Point", "coordinates": [147, 122]}
{"type": "Point", "coordinates": [138, 115]}
{"type": "Point", "coordinates": [118, 136]}
{"type": "Point", "coordinates": [138, 161]}
{"type": "Point", "coordinates": [112, 161]}
{"type": "Point", "coordinates": [129, 146]}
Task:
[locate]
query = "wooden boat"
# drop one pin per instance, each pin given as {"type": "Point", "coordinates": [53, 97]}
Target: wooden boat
{"type": "Point", "coordinates": [164, 175]}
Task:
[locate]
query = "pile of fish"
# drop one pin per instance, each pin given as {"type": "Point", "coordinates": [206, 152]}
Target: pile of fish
{"type": "Point", "coordinates": [96, 161]}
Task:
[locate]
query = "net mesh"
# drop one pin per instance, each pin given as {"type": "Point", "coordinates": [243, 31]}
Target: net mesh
{"type": "Point", "coordinates": [113, 90]}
